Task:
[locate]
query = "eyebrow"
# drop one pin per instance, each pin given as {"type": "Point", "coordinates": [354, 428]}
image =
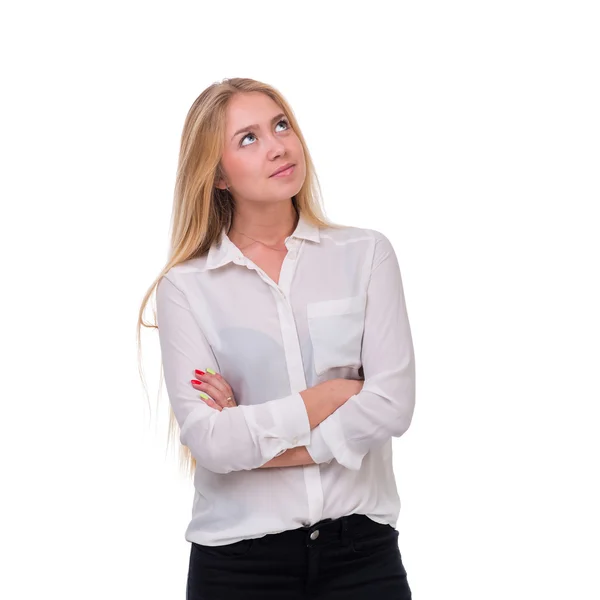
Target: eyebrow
{"type": "Point", "coordinates": [255, 126]}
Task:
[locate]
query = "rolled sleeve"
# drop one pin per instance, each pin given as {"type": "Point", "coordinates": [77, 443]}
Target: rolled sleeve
{"type": "Point", "coordinates": [384, 407]}
{"type": "Point", "coordinates": [244, 437]}
{"type": "Point", "coordinates": [318, 449]}
{"type": "Point", "coordinates": [285, 425]}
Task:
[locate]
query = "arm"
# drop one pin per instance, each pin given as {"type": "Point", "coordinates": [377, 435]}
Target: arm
{"type": "Point", "coordinates": [294, 457]}
{"type": "Point", "coordinates": [238, 438]}
{"type": "Point", "coordinates": [338, 390]}
{"type": "Point", "coordinates": [260, 431]}
{"type": "Point", "coordinates": [385, 405]}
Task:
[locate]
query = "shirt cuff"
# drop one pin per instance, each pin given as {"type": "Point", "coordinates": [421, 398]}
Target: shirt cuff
{"type": "Point", "coordinates": [291, 420]}
{"type": "Point", "coordinates": [318, 450]}
{"type": "Point", "coordinates": [333, 435]}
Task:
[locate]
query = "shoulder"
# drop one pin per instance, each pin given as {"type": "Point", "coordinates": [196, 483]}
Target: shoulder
{"type": "Point", "coordinates": [180, 271]}
{"type": "Point", "coordinates": [178, 276]}
{"type": "Point", "coordinates": [346, 233]}
{"type": "Point", "coordinates": [373, 239]}
{"type": "Point", "coordinates": [378, 247]}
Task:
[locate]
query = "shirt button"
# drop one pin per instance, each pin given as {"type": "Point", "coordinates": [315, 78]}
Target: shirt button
{"type": "Point", "coordinates": [295, 441]}
{"type": "Point", "coordinates": [314, 535]}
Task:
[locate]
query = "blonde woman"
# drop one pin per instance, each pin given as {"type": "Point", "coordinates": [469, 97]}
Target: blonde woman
{"type": "Point", "coordinates": [288, 362]}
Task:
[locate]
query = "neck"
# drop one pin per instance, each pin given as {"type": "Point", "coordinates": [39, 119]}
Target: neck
{"type": "Point", "coordinates": [269, 224]}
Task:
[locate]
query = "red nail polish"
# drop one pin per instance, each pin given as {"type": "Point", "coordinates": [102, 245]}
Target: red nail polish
{"type": "Point", "coordinates": [200, 372]}
{"type": "Point", "coordinates": [196, 381]}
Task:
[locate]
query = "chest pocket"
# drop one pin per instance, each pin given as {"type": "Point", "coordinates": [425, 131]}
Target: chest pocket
{"type": "Point", "coordinates": [336, 328]}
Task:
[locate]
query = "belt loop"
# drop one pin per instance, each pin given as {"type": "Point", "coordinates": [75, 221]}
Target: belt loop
{"type": "Point", "coordinates": [344, 534]}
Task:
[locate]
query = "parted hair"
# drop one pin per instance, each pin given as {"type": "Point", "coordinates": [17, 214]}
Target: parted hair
{"type": "Point", "coordinates": [201, 210]}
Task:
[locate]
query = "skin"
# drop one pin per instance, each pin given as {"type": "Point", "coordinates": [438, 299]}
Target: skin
{"type": "Point", "coordinates": [218, 390]}
{"type": "Point", "coordinates": [263, 210]}
{"type": "Point", "coordinates": [263, 204]}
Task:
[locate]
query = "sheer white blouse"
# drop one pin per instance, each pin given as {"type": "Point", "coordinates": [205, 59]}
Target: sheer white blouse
{"type": "Point", "coordinates": [338, 311]}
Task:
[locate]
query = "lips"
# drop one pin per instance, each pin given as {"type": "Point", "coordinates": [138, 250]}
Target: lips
{"type": "Point", "coordinates": [283, 168]}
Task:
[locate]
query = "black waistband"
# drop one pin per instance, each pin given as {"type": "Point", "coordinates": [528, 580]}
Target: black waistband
{"type": "Point", "coordinates": [354, 523]}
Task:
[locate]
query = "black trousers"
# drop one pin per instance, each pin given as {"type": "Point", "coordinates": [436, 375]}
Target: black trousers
{"type": "Point", "coordinates": [350, 558]}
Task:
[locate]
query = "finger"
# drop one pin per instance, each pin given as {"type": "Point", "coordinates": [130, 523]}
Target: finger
{"type": "Point", "coordinates": [208, 400]}
{"type": "Point", "coordinates": [217, 395]}
{"type": "Point", "coordinates": [203, 386]}
{"type": "Point", "coordinates": [218, 383]}
{"type": "Point", "coordinates": [216, 380]}
{"type": "Point", "coordinates": [211, 386]}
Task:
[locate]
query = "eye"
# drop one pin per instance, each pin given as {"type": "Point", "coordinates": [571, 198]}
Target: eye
{"type": "Point", "coordinates": [287, 126]}
{"type": "Point", "coordinates": [246, 136]}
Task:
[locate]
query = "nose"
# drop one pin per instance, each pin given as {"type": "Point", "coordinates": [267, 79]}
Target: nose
{"type": "Point", "coordinates": [276, 151]}
{"type": "Point", "coordinates": [276, 148]}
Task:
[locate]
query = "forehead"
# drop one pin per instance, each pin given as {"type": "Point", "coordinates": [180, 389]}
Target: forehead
{"type": "Point", "coordinates": [249, 108]}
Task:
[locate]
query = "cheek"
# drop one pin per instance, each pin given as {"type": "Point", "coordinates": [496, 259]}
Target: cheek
{"type": "Point", "coordinates": [300, 162]}
{"type": "Point", "coordinates": [298, 152]}
{"type": "Point", "coordinates": [243, 167]}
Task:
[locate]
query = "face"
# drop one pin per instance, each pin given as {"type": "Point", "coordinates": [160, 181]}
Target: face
{"type": "Point", "coordinates": [258, 141]}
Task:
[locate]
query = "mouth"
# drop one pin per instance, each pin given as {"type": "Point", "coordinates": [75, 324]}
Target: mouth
{"type": "Point", "coordinates": [284, 171]}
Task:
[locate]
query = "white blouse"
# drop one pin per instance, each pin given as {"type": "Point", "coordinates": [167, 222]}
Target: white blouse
{"type": "Point", "coordinates": [338, 312]}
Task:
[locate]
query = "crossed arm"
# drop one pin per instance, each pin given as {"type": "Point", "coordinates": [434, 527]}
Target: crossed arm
{"type": "Point", "coordinates": [292, 457]}
{"type": "Point", "coordinates": [279, 428]}
{"type": "Point", "coordinates": [220, 391]}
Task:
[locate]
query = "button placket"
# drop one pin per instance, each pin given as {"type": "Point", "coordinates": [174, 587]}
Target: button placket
{"type": "Point", "coordinates": [291, 341]}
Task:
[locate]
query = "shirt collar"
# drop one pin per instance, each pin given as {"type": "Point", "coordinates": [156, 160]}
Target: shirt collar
{"type": "Point", "coordinates": [225, 251]}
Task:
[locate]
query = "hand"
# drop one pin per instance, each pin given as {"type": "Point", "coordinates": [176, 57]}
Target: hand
{"type": "Point", "coordinates": [348, 388]}
{"type": "Point", "coordinates": [214, 390]}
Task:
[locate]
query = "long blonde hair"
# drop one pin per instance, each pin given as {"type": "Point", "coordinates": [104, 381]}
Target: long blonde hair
{"type": "Point", "coordinates": [201, 211]}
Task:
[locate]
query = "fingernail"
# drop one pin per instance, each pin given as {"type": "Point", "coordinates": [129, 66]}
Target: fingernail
{"type": "Point", "coordinates": [203, 395]}
{"type": "Point", "coordinates": [196, 381]}
{"type": "Point", "coordinates": [210, 371]}
{"type": "Point", "coordinates": [199, 372]}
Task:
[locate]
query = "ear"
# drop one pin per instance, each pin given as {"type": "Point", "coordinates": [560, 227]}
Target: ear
{"type": "Point", "coordinates": [220, 179]}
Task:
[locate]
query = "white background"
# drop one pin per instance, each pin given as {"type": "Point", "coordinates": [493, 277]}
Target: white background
{"type": "Point", "coordinates": [468, 132]}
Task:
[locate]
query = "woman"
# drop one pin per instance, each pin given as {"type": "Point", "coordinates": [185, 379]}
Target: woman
{"type": "Point", "coordinates": [288, 361]}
